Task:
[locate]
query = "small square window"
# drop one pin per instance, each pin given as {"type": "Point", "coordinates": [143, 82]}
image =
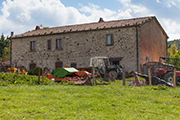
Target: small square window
{"type": "Point", "coordinates": [109, 39]}
{"type": "Point", "coordinates": [32, 45]}
{"type": "Point", "coordinates": [58, 44]}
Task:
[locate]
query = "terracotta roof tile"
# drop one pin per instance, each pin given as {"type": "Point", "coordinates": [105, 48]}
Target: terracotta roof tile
{"type": "Point", "coordinates": [86, 27]}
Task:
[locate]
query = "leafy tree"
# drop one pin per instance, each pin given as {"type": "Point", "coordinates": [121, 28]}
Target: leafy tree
{"type": "Point", "coordinates": [4, 42]}
{"type": "Point", "coordinates": [6, 53]}
{"type": "Point", "coordinates": [176, 42]}
{"type": "Point", "coordinates": [174, 53]}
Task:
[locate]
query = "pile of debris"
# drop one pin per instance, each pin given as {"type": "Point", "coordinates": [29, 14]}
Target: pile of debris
{"type": "Point", "coordinates": [154, 80]}
{"type": "Point", "coordinates": [73, 75]}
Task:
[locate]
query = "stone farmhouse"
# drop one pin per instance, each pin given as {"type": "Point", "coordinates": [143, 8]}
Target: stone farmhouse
{"type": "Point", "coordinates": [129, 42]}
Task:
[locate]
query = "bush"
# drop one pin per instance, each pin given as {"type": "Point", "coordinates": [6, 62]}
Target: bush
{"type": "Point", "coordinates": [30, 72]}
{"type": "Point", "coordinates": [11, 78]}
{"type": "Point", "coordinates": [35, 71]}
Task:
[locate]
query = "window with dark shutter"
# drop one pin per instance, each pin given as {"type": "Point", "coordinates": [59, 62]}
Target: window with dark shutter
{"type": "Point", "coordinates": [58, 65]}
{"type": "Point", "coordinates": [49, 44]}
{"type": "Point", "coordinates": [109, 40]}
{"type": "Point", "coordinates": [32, 45]}
{"type": "Point", "coordinates": [58, 44]}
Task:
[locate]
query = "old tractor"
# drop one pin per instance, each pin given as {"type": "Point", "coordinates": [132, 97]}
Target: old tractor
{"type": "Point", "coordinates": [103, 66]}
{"type": "Point", "coordinates": [163, 70]}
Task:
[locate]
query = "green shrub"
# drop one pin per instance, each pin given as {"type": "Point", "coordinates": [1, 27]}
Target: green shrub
{"type": "Point", "coordinates": [10, 78]}
{"type": "Point", "coordinates": [70, 83]}
{"type": "Point", "coordinates": [35, 71]}
{"type": "Point", "coordinates": [30, 72]}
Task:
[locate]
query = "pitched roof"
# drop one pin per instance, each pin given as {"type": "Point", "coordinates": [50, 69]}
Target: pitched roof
{"type": "Point", "coordinates": [88, 27]}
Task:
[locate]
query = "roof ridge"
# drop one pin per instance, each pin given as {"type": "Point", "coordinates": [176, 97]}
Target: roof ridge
{"type": "Point", "coordinates": [86, 27]}
{"type": "Point", "coordinates": [95, 23]}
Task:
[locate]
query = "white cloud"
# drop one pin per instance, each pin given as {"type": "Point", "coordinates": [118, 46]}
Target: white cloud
{"type": "Point", "coordinates": [171, 27]}
{"type": "Point", "coordinates": [169, 3]}
{"type": "Point", "coordinates": [96, 12]}
{"type": "Point", "coordinates": [124, 13]}
{"type": "Point", "coordinates": [125, 2]}
{"type": "Point", "coordinates": [23, 15]}
{"type": "Point", "coordinates": [157, 1]}
{"type": "Point", "coordinates": [130, 10]}
{"type": "Point", "coordinates": [174, 36]}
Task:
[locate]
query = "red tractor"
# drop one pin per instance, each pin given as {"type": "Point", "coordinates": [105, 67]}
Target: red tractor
{"type": "Point", "coordinates": [163, 70]}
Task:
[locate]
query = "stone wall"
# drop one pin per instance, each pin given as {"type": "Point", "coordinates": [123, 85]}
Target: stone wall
{"type": "Point", "coordinates": [78, 48]}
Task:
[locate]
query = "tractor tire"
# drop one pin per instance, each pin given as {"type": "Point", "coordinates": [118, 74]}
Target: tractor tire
{"type": "Point", "coordinates": [113, 74]}
{"type": "Point", "coordinates": [168, 77]}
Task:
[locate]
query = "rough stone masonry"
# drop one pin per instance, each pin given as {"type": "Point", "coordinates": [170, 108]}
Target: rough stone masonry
{"type": "Point", "coordinates": [81, 42]}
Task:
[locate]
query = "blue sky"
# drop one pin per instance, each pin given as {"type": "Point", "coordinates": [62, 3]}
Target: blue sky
{"type": "Point", "coordinates": [23, 15]}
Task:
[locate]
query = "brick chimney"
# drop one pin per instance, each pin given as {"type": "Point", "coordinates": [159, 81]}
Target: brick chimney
{"type": "Point", "coordinates": [101, 19]}
{"type": "Point", "coordinates": [12, 33]}
{"type": "Point", "coordinates": [37, 28]}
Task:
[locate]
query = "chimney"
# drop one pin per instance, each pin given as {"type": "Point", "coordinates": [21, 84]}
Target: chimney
{"type": "Point", "coordinates": [37, 28]}
{"type": "Point", "coordinates": [101, 19]}
{"type": "Point", "coordinates": [12, 33]}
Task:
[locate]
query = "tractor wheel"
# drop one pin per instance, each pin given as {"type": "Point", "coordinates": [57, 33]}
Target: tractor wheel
{"type": "Point", "coordinates": [168, 77]}
{"type": "Point", "coordinates": [113, 74]}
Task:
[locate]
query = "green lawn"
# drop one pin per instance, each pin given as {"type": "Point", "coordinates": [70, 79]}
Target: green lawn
{"type": "Point", "coordinates": [113, 102]}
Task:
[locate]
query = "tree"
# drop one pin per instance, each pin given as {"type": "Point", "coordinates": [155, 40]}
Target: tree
{"type": "Point", "coordinates": [175, 54]}
{"type": "Point", "coordinates": [6, 53]}
{"type": "Point", "coordinates": [4, 42]}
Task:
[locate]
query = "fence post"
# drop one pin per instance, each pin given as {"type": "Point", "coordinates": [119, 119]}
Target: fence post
{"type": "Point", "coordinates": [39, 75]}
{"type": "Point", "coordinates": [149, 74]}
{"type": "Point", "coordinates": [124, 82]}
{"type": "Point", "coordinates": [174, 78]}
{"type": "Point", "coordinates": [42, 76]}
{"type": "Point", "coordinates": [94, 81]}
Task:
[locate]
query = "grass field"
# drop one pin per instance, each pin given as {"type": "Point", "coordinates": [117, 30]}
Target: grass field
{"type": "Point", "coordinates": [113, 102]}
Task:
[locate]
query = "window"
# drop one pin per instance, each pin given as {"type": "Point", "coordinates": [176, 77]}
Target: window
{"type": "Point", "coordinates": [73, 65]}
{"type": "Point", "coordinates": [58, 44]}
{"type": "Point", "coordinates": [32, 66]}
{"type": "Point", "coordinates": [32, 46]}
{"type": "Point", "coordinates": [109, 39]}
{"type": "Point", "coordinates": [58, 65]}
{"type": "Point", "coordinates": [49, 44]}
{"type": "Point", "coordinates": [100, 62]}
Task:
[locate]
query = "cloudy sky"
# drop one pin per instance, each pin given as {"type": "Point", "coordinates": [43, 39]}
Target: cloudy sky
{"type": "Point", "coordinates": [23, 15]}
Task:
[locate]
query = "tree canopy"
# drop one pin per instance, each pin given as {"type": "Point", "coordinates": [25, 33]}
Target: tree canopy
{"type": "Point", "coordinates": [173, 52]}
{"type": "Point", "coordinates": [174, 42]}
{"type": "Point", "coordinates": [4, 48]}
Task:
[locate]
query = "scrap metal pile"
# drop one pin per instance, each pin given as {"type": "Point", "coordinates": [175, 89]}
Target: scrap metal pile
{"type": "Point", "coordinates": [71, 74]}
{"type": "Point", "coordinates": [154, 80]}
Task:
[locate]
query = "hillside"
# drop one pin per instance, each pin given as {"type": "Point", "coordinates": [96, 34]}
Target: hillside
{"type": "Point", "coordinates": [176, 42]}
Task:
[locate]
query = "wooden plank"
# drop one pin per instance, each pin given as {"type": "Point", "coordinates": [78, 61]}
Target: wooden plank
{"type": "Point", "coordinates": [174, 78]}
{"type": "Point", "coordinates": [149, 74]}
